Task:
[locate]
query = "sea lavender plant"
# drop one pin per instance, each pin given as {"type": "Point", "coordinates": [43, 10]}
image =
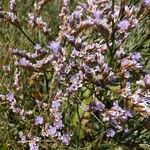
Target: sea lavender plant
{"type": "Point", "coordinates": [86, 66]}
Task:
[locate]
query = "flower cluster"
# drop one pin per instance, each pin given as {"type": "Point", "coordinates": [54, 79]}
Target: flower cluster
{"type": "Point", "coordinates": [9, 15]}
{"type": "Point", "coordinates": [37, 22]}
{"type": "Point", "coordinates": [54, 130]}
{"type": "Point", "coordinates": [11, 100]}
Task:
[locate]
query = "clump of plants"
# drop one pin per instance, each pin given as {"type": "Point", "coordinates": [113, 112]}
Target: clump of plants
{"type": "Point", "coordinates": [82, 89]}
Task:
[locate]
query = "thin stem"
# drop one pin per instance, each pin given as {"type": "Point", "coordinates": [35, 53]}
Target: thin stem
{"type": "Point", "coordinates": [79, 118]}
{"type": "Point", "coordinates": [112, 38]}
{"type": "Point", "coordinates": [47, 83]}
{"type": "Point", "coordinates": [113, 29]}
{"type": "Point", "coordinates": [16, 25]}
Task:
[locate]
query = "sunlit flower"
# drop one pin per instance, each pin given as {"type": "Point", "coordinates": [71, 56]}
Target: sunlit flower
{"type": "Point", "coordinates": [33, 146]}
{"type": "Point", "coordinates": [124, 24]}
{"type": "Point", "coordinates": [110, 132]}
{"type": "Point", "coordinates": [147, 2]}
{"type": "Point", "coordinates": [37, 46]}
{"type": "Point", "coordinates": [52, 131]}
{"type": "Point", "coordinates": [147, 79]}
{"type": "Point", "coordinates": [65, 138]}
{"type": "Point", "coordinates": [39, 120]}
{"type": "Point", "coordinates": [54, 46]}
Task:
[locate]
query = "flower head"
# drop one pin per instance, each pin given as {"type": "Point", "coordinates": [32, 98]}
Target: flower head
{"type": "Point", "coordinates": [124, 24]}
{"type": "Point", "coordinates": [10, 97]}
{"type": "Point", "coordinates": [97, 14]}
{"type": "Point", "coordinates": [23, 62]}
{"type": "Point", "coordinates": [110, 132]}
{"type": "Point", "coordinates": [147, 2]}
{"type": "Point", "coordinates": [52, 131]}
{"type": "Point", "coordinates": [39, 120]}
{"type": "Point", "coordinates": [33, 146]}
{"type": "Point", "coordinates": [136, 56]}
{"type": "Point", "coordinates": [54, 46]}
{"type": "Point", "coordinates": [147, 79]}
{"type": "Point", "coordinates": [65, 138]}
{"type": "Point", "coordinates": [37, 46]}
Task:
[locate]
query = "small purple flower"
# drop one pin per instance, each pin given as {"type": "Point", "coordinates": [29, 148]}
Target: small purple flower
{"type": "Point", "coordinates": [98, 106]}
{"type": "Point", "coordinates": [110, 132]}
{"type": "Point", "coordinates": [76, 14]}
{"type": "Point", "coordinates": [52, 131]}
{"type": "Point", "coordinates": [136, 56]}
{"type": "Point", "coordinates": [56, 104]}
{"type": "Point", "coordinates": [33, 146]}
{"type": "Point", "coordinates": [147, 2]}
{"type": "Point", "coordinates": [10, 97]}
{"type": "Point", "coordinates": [97, 14]}
{"type": "Point", "coordinates": [75, 53]}
{"type": "Point", "coordinates": [37, 46]}
{"type": "Point", "coordinates": [23, 62]}
{"type": "Point", "coordinates": [126, 130]}
{"type": "Point", "coordinates": [73, 88]}
{"type": "Point", "coordinates": [39, 120]}
{"type": "Point", "coordinates": [124, 24]}
{"type": "Point", "coordinates": [54, 46]}
{"type": "Point", "coordinates": [147, 79]}
{"type": "Point", "coordinates": [65, 138]}
{"type": "Point", "coordinates": [58, 124]}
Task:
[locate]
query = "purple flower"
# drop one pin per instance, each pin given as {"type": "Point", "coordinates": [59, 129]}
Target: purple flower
{"type": "Point", "coordinates": [39, 120]}
{"type": "Point", "coordinates": [147, 2]}
{"type": "Point", "coordinates": [37, 46]}
{"type": "Point", "coordinates": [75, 53]}
{"type": "Point", "coordinates": [97, 14]}
{"type": "Point", "coordinates": [76, 14]}
{"type": "Point", "coordinates": [23, 62]}
{"type": "Point", "coordinates": [33, 146]}
{"type": "Point", "coordinates": [147, 79]}
{"type": "Point", "coordinates": [126, 130]}
{"type": "Point", "coordinates": [54, 46]}
{"type": "Point", "coordinates": [73, 88]}
{"type": "Point", "coordinates": [56, 104]}
{"type": "Point", "coordinates": [65, 138]}
{"type": "Point", "coordinates": [10, 97]}
{"type": "Point", "coordinates": [98, 106]}
{"type": "Point", "coordinates": [110, 132]}
{"type": "Point", "coordinates": [124, 24]}
{"type": "Point", "coordinates": [136, 56]}
{"type": "Point", "coordinates": [52, 131]}
{"type": "Point", "coordinates": [58, 124]}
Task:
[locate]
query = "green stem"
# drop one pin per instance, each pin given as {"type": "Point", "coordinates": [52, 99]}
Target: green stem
{"type": "Point", "coordinates": [113, 32]}
{"type": "Point", "coordinates": [78, 114]}
{"type": "Point", "coordinates": [112, 38]}
{"type": "Point", "coordinates": [18, 26]}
